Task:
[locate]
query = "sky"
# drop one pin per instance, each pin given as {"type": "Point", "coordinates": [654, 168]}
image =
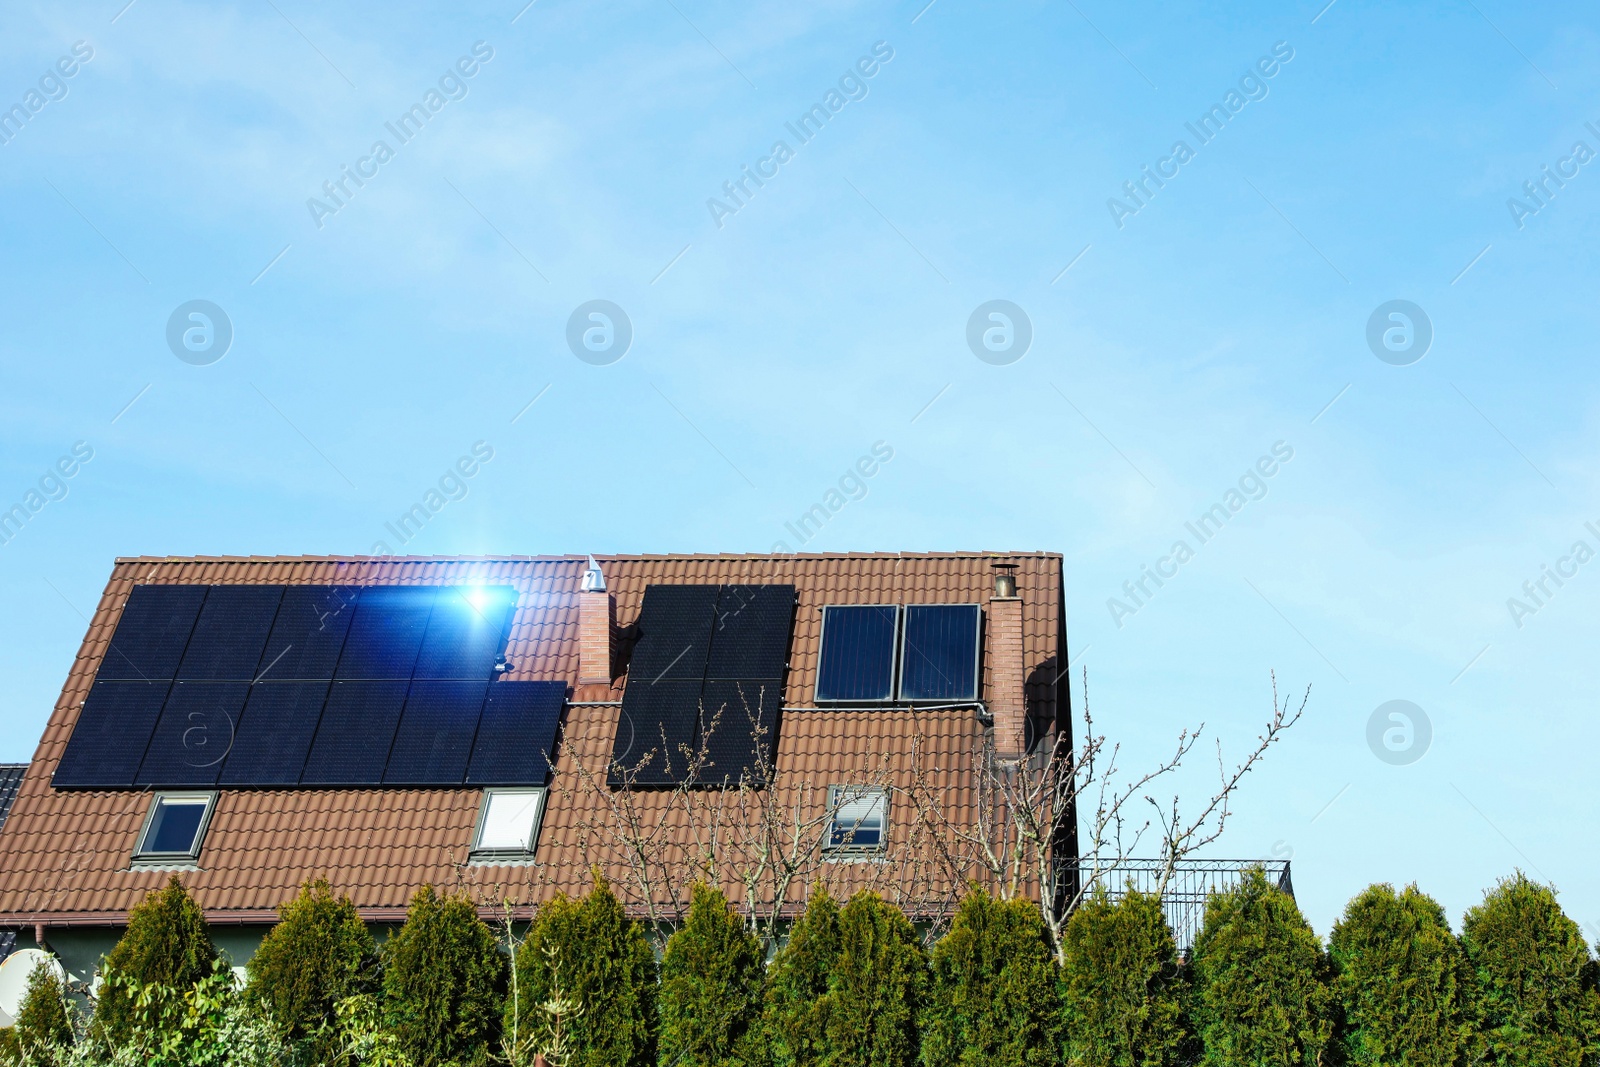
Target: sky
{"type": "Point", "coordinates": [1323, 273]}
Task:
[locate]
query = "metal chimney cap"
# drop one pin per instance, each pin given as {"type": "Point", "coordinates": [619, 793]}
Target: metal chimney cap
{"type": "Point", "coordinates": [593, 580]}
{"type": "Point", "coordinates": [1005, 581]}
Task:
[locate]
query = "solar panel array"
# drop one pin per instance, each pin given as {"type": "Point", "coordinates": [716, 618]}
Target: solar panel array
{"type": "Point", "coordinates": [706, 673]}
{"type": "Point", "coordinates": [883, 653]}
{"type": "Point", "coordinates": [281, 686]}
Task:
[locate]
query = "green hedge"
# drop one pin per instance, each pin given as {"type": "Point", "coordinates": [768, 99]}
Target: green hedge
{"type": "Point", "coordinates": [852, 986]}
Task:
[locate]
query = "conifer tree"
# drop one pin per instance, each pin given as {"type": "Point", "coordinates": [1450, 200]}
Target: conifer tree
{"type": "Point", "coordinates": [166, 948]}
{"type": "Point", "coordinates": [1260, 980]}
{"type": "Point", "coordinates": [1121, 995]}
{"type": "Point", "coordinates": [44, 1021]}
{"type": "Point", "coordinates": [1532, 997]}
{"type": "Point", "coordinates": [443, 980]}
{"type": "Point", "coordinates": [711, 984]}
{"type": "Point", "coordinates": [319, 953]}
{"type": "Point", "coordinates": [1400, 977]}
{"type": "Point", "coordinates": [585, 985]}
{"type": "Point", "coordinates": [877, 988]}
{"type": "Point", "coordinates": [993, 998]}
{"type": "Point", "coordinates": [795, 1016]}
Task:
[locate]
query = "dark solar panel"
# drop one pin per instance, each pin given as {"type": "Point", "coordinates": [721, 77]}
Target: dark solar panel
{"type": "Point", "coordinates": [194, 734]}
{"type": "Point", "coordinates": [309, 633]}
{"type": "Point", "coordinates": [739, 731]}
{"type": "Point", "coordinates": [109, 740]}
{"type": "Point", "coordinates": [658, 721]}
{"type": "Point", "coordinates": [152, 633]}
{"type": "Point", "coordinates": [231, 632]}
{"type": "Point", "coordinates": [387, 632]}
{"type": "Point", "coordinates": [674, 624]}
{"type": "Point", "coordinates": [857, 660]}
{"type": "Point", "coordinates": [750, 637]}
{"type": "Point", "coordinates": [466, 632]}
{"type": "Point", "coordinates": [436, 731]}
{"type": "Point", "coordinates": [516, 733]}
{"type": "Point", "coordinates": [939, 657]}
{"type": "Point", "coordinates": [357, 728]}
{"type": "Point", "coordinates": [10, 782]}
{"type": "Point", "coordinates": [274, 734]}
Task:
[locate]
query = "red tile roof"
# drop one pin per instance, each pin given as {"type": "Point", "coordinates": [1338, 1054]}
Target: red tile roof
{"type": "Point", "coordinates": [64, 856]}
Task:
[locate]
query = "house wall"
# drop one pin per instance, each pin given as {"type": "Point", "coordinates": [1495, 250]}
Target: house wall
{"type": "Point", "coordinates": [81, 948]}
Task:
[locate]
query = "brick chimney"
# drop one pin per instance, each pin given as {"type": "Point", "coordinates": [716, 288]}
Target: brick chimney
{"type": "Point", "coordinates": [597, 632]}
{"type": "Point", "coordinates": [1008, 700]}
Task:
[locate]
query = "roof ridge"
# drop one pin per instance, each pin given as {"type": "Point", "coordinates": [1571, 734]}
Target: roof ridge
{"type": "Point", "coordinates": [582, 557]}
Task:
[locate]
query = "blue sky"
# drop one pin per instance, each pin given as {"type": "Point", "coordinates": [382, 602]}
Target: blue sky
{"type": "Point", "coordinates": [1225, 316]}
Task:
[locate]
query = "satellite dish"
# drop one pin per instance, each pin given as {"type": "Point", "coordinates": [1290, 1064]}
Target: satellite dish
{"type": "Point", "coordinates": [14, 975]}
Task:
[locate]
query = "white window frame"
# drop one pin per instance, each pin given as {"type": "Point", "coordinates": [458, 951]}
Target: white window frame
{"type": "Point", "coordinates": [146, 858]}
{"type": "Point", "coordinates": [838, 795]}
{"type": "Point", "coordinates": [481, 854]}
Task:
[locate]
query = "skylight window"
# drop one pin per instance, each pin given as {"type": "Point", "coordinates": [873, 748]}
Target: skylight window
{"type": "Point", "coordinates": [508, 824]}
{"type": "Point", "coordinates": [175, 828]}
{"type": "Point", "coordinates": [859, 822]}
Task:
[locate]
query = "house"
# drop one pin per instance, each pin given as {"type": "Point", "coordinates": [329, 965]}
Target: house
{"type": "Point", "coordinates": [502, 724]}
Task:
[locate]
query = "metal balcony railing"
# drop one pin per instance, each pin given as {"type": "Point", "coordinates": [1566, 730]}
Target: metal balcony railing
{"type": "Point", "coordinates": [1190, 883]}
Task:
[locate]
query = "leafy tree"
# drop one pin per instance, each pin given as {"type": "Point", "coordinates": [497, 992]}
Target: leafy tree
{"type": "Point", "coordinates": [584, 985]}
{"type": "Point", "coordinates": [711, 974]}
{"type": "Point", "coordinates": [993, 999]}
{"type": "Point", "coordinates": [878, 986]}
{"type": "Point", "coordinates": [443, 979]}
{"type": "Point", "coordinates": [1400, 976]}
{"type": "Point", "coordinates": [166, 950]}
{"type": "Point", "coordinates": [1261, 994]}
{"type": "Point", "coordinates": [44, 1021]}
{"type": "Point", "coordinates": [1121, 995]}
{"type": "Point", "coordinates": [795, 1015]}
{"type": "Point", "coordinates": [1532, 995]}
{"type": "Point", "coordinates": [320, 953]}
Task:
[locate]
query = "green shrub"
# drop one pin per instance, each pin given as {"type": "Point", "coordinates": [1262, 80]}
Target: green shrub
{"type": "Point", "coordinates": [878, 987]}
{"type": "Point", "coordinates": [443, 979]}
{"type": "Point", "coordinates": [319, 953]}
{"type": "Point", "coordinates": [203, 1025]}
{"type": "Point", "coordinates": [711, 975]}
{"type": "Point", "coordinates": [584, 986]}
{"type": "Point", "coordinates": [1260, 980]}
{"type": "Point", "coordinates": [44, 1021]}
{"type": "Point", "coordinates": [1532, 997]}
{"type": "Point", "coordinates": [795, 1011]}
{"type": "Point", "coordinates": [1399, 981]}
{"type": "Point", "coordinates": [1121, 995]}
{"type": "Point", "coordinates": [166, 949]}
{"type": "Point", "coordinates": [993, 999]}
